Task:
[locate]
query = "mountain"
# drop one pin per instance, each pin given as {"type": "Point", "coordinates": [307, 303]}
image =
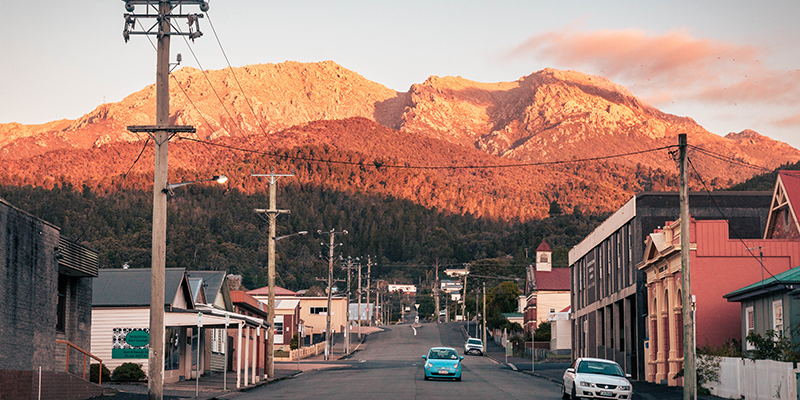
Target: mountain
{"type": "Point", "coordinates": [430, 145]}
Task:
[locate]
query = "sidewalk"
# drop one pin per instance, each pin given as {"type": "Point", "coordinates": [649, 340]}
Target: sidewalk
{"type": "Point", "coordinates": [211, 386]}
{"type": "Point", "coordinates": [554, 372]}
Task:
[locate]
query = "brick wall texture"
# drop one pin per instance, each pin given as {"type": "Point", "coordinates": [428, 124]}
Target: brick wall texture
{"type": "Point", "coordinates": [25, 385]}
{"type": "Point", "coordinates": [28, 308]}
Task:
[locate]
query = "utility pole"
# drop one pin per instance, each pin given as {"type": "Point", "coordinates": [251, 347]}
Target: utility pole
{"type": "Point", "coordinates": [272, 214]}
{"type": "Point", "coordinates": [332, 245]}
{"type": "Point", "coordinates": [464, 297]}
{"type": "Point", "coordinates": [436, 292]}
{"type": "Point", "coordinates": [349, 267]}
{"type": "Point", "coordinates": [370, 313]}
{"type": "Point", "coordinates": [359, 301]}
{"type": "Point", "coordinates": [484, 313]}
{"type": "Point", "coordinates": [689, 366]}
{"type": "Point", "coordinates": [160, 133]}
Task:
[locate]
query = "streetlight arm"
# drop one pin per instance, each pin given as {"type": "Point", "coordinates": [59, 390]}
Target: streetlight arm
{"type": "Point", "coordinates": [301, 233]}
{"type": "Point", "coordinates": [168, 190]}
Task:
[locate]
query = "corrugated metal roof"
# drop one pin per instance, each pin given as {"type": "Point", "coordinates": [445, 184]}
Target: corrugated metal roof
{"type": "Point", "coordinates": [279, 291]}
{"type": "Point", "coordinates": [791, 276]}
{"type": "Point", "coordinates": [557, 279]}
{"type": "Point", "coordinates": [131, 287]}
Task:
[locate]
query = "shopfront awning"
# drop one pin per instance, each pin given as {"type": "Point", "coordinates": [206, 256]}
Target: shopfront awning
{"type": "Point", "coordinates": [212, 318]}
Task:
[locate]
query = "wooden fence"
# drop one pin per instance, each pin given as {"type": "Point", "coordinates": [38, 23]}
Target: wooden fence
{"type": "Point", "coordinates": [755, 380]}
{"type": "Point", "coordinates": [304, 352]}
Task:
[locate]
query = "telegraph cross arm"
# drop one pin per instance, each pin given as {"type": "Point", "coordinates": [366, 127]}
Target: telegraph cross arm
{"type": "Point", "coordinates": [171, 129]}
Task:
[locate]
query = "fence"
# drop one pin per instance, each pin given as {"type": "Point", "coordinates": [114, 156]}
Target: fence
{"type": "Point", "coordinates": [304, 352]}
{"type": "Point", "coordinates": [755, 380]}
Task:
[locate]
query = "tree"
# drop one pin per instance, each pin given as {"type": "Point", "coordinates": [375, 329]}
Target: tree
{"type": "Point", "coordinates": [555, 209]}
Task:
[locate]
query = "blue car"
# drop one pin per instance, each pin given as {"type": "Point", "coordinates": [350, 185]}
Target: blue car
{"type": "Point", "coordinates": [442, 362]}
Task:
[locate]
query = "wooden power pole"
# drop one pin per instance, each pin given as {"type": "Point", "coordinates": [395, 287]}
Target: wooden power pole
{"type": "Point", "coordinates": [689, 366]}
{"type": "Point", "coordinates": [160, 133]}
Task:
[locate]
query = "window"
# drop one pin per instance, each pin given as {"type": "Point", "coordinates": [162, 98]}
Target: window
{"type": "Point", "coordinates": [543, 258]}
{"type": "Point", "coordinates": [61, 304]}
{"type": "Point", "coordinates": [218, 340]}
{"type": "Point", "coordinates": [278, 328]}
{"type": "Point", "coordinates": [750, 323]}
{"type": "Point", "coordinates": [318, 310]}
{"type": "Point", "coordinates": [777, 317]}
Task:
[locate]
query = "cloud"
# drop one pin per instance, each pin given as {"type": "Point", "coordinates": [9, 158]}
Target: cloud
{"type": "Point", "coordinates": [668, 67]}
{"type": "Point", "coordinates": [789, 122]}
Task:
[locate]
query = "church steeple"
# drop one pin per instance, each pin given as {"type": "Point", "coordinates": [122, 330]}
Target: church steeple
{"type": "Point", "coordinates": [544, 257]}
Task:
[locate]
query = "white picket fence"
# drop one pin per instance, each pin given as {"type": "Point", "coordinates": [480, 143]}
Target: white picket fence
{"type": "Point", "coordinates": [755, 380]}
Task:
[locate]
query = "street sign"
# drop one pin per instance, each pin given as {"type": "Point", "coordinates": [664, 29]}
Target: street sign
{"type": "Point", "coordinates": [200, 320]}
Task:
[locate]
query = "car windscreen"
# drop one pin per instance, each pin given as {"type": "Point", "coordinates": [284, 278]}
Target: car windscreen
{"type": "Point", "coordinates": [474, 341]}
{"type": "Point", "coordinates": [598, 367]}
{"type": "Point", "coordinates": [442, 354]}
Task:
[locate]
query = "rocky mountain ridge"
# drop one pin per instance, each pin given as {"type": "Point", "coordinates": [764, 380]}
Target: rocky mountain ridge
{"type": "Point", "coordinates": [548, 116]}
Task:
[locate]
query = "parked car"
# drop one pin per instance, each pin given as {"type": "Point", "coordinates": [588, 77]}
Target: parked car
{"type": "Point", "coordinates": [442, 362]}
{"type": "Point", "coordinates": [473, 345]}
{"type": "Point", "coordinates": [595, 378]}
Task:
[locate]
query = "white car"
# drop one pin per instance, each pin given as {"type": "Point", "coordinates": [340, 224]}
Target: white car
{"type": "Point", "coordinates": [473, 345]}
{"type": "Point", "coordinates": [595, 378]}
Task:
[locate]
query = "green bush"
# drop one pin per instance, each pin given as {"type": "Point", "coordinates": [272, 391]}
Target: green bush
{"type": "Point", "coordinates": [293, 344]}
{"type": "Point", "coordinates": [93, 373]}
{"type": "Point", "coordinates": [128, 372]}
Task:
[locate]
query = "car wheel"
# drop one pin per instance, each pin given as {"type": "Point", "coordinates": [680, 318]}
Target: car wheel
{"type": "Point", "coordinates": [574, 396]}
{"type": "Point", "coordinates": [458, 379]}
{"type": "Point", "coordinates": [426, 377]}
{"type": "Point", "coordinates": [564, 394]}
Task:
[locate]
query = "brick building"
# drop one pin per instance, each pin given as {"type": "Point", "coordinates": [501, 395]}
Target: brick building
{"type": "Point", "coordinates": [46, 296]}
{"type": "Point", "coordinates": [609, 298]}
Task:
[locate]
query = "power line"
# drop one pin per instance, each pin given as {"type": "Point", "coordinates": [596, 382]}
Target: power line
{"type": "Point", "coordinates": [224, 54]}
{"type": "Point", "coordinates": [748, 249]}
{"type": "Point", "coordinates": [728, 159]}
{"type": "Point", "coordinates": [379, 165]}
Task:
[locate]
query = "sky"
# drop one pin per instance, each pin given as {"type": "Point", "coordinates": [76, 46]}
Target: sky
{"type": "Point", "coordinates": [729, 65]}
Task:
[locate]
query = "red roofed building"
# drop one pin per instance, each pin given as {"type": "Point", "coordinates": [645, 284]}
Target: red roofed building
{"type": "Point", "coordinates": [546, 289]}
{"type": "Point", "coordinates": [279, 291]}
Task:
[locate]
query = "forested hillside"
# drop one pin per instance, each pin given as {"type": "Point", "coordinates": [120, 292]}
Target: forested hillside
{"type": "Point", "coordinates": [211, 228]}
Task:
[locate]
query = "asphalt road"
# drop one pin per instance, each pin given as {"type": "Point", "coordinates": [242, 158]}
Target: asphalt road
{"type": "Point", "coordinates": [389, 366]}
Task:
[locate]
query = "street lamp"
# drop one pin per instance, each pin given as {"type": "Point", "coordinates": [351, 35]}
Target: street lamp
{"type": "Point", "coordinates": [168, 190]}
{"type": "Point", "coordinates": [301, 233]}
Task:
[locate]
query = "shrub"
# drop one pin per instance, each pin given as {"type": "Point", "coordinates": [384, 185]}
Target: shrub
{"type": "Point", "coordinates": [293, 344]}
{"type": "Point", "coordinates": [93, 373]}
{"type": "Point", "coordinates": [128, 372]}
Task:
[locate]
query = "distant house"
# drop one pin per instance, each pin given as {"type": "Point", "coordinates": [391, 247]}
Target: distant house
{"type": "Point", "coordinates": [121, 311]}
{"type": "Point", "coordinates": [770, 304]}
{"type": "Point", "coordinates": [313, 312]}
{"type": "Point", "coordinates": [218, 296]}
{"type": "Point", "coordinates": [46, 294]}
{"type": "Point", "coordinates": [546, 289]}
{"type": "Point", "coordinates": [393, 287]}
{"type": "Point", "coordinates": [560, 331]}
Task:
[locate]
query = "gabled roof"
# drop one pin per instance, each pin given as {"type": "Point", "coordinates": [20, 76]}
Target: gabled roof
{"type": "Point", "coordinates": [279, 291]}
{"type": "Point", "coordinates": [131, 287]}
{"type": "Point", "coordinates": [785, 281]}
{"type": "Point", "coordinates": [557, 279]}
{"type": "Point", "coordinates": [785, 196]}
{"type": "Point", "coordinates": [196, 287]}
{"type": "Point", "coordinates": [213, 284]}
